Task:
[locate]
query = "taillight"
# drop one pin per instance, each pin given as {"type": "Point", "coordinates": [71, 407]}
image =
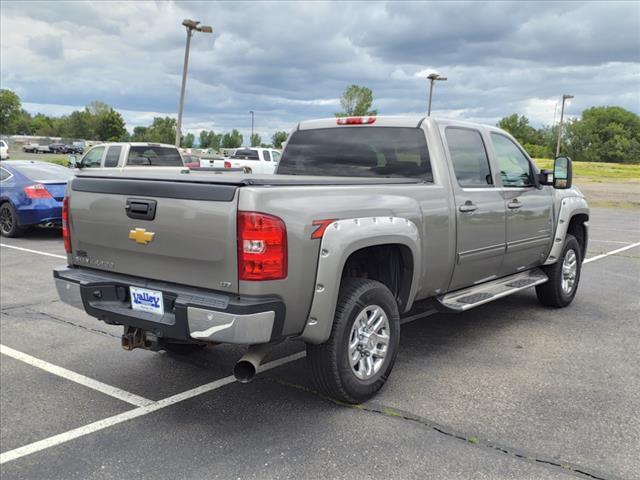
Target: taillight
{"type": "Point", "coordinates": [355, 120]}
{"type": "Point", "coordinates": [227, 164]}
{"type": "Point", "coordinates": [66, 235]}
{"type": "Point", "coordinates": [37, 191]}
{"type": "Point", "coordinates": [262, 247]}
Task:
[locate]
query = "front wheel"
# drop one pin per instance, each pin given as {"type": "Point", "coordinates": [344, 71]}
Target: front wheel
{"type": "Point", "coordinates": [356, 360]}
{"type": "Point", "coordinates": [564, 276]}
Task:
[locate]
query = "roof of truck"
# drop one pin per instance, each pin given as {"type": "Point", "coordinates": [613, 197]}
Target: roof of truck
{"type": "Point", "coordinates": [383, 121]}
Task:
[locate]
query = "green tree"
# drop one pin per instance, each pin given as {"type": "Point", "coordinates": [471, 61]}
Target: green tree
{"type": "Point", "coordinates": [162, 130]}
{"type": "Point", "coordinates": [278, 139]}
{"type": "Point", "coordinates": [232, 140]}
{"type": "Point", "coordinates": [97, 108]}
{"type": "Point", "coordinates": [139, 134]}
{"type": "Point", "coordinates": [603, 134]}
{"type": "Point", "coordinates": [256, 140]}
{"type": "Point", "coordinates": [10, 108]}
{"type": "Point", "coordinates": [519, 127]}
{"type": "Point", "coordinates": [42, 125]}
{"type": "Point", "coordinates": [204, 139]}
{"type": "Point", "coordinates": [356, 101]}
{"type": "Point", "coordinates": [80, 125]}
{"type": "Point", "coordinates": [109, 126]}
{"type": "Point", "coordinates": [187, 140]}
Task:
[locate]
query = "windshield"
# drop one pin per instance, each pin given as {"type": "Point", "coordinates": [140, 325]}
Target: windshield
{"type": "Point", "coordinates": [155, 156]}
{"type": "Point", "coordinates": [358, 152]}
{"type": "Point", "coordinates": [45, 173]}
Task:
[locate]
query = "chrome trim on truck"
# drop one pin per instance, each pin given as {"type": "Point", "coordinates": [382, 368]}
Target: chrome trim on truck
{"type": "Point", "coordinates": [213, 326]}
{"type": "Point", "coordinates": [69, 293]}
{"type": "Point", "coordinates": [340, 240]}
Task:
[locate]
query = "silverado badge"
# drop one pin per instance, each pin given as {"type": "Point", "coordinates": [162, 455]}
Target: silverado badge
{"type": "Point", "coordinates": [140, 235]}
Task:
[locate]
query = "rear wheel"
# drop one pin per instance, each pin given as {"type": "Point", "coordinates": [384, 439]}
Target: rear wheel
{"type": "Point", "coordinates": [564, 276]}
{"type": "Point", "coordinates": [9, 221]}
{"type": "Point", "coordinates": [358, 357]}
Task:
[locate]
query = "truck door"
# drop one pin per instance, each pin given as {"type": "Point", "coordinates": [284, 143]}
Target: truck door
{"type": "Point", "coordinates": [529, 213]}
{"type": "Point", "coordinates": [480, 209]}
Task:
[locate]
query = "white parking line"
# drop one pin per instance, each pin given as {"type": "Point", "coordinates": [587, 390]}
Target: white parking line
{"type": "Point", "coordinates": [609, 241]}
{"type": "Point", "coordinates": [135, 413]}
{"type": "Point", "coordinates": [33, 251]}
{"type": "Point", "coordinates": [612, 252]}
{"type": "Point", "coordinates": [76, 377]}
{"type": "Point", "coordinates": [166, 402]}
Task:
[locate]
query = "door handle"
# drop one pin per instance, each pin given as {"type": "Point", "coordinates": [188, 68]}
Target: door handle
{"type": "Point", "coordinates": [468, 206]}
{"type": "Point", "coordinates": [513, 204]}
{"type": "Point", "coordinates": [141, 209]}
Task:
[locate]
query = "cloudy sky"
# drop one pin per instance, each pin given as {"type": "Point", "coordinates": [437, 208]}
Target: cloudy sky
{"type": "Point", "coordinates": [290, 61]}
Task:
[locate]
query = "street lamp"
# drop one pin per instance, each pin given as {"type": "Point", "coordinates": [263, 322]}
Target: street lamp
{"type": "Point", "coordinates": [564, 98]}
{"type": "Point", "coordinates": [251, 139]}
{"type": "Point", "coordinates": [432, 77]}
{"type": "Point", "coordinates": [190, 25]}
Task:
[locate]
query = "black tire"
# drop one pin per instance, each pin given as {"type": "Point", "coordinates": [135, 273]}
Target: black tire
{"type": "Point", "coordinates": [9, 222]}
{"type": "Point", "coordinates": [182, 349]}
{"type": "Point", "coordinates": [329, 362]}
{"type": "Point", "coordinates": [552, 293]}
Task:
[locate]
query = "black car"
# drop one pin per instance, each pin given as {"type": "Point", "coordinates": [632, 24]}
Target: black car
{"type": "Point", "coordinates": [59, 148]}
{"type": "Point", "coordinates": [74, 149]}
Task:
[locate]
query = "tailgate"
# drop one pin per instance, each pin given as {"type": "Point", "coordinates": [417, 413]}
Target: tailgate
{"type": "Point", "coordinates": [177, 232]}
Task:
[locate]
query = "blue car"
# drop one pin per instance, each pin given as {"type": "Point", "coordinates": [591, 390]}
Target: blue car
{"type": "Point", "coordinates": [31, 193]}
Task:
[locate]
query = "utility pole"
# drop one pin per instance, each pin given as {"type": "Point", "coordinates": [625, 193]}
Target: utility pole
{"type": "Point", "coordinates": [432, 77]}
{"type": "Point", "coordinates": [564, 98]}
{"type": "Point", "coordinates": [251, 139]}
{"type": "Point", "coordinates": [190, 25]}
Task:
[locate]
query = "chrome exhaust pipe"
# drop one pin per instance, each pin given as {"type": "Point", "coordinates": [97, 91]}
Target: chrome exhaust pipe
{"type": "Point", "coordinates": [246, 368]}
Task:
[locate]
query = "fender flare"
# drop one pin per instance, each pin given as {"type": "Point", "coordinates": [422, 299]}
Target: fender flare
{"type": "Point", "coordinates": [340, 240]}
{"type": "Point", "coordinates": [569, 207]}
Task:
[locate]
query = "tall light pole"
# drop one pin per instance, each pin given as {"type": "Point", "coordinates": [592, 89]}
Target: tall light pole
{"type": "Point", "coordinates": [251, 139]}
{"type": "Point", "coordinates": [190, 25]}
{"type": "Point", "coordinates": [564, 98]}
{"type": "Point", "coordinates": [432, 77]}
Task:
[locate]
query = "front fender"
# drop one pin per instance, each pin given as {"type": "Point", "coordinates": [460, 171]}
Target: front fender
{"type": "Point", "coordinates": [340, 240]}
{"type": "Point", "coordinates": [569, 206]}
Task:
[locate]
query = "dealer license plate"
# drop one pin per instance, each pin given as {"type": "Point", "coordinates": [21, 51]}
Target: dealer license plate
{"type": "Point", "coordinates": [146, 300]}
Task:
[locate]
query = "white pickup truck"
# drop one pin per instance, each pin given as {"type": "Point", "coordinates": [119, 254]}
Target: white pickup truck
{"type": "Point", "coordinates": [252, 160]}
{"type": "Point", "coordinates": [129, 156]}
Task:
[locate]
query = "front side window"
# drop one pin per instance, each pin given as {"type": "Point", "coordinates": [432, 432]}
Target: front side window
{"type": "Point", "coordinates": [154, 155]}
{"type": "Point", "coordinates": [469, 157]}
{"type": "Point", "coordinates": [113, 156]}
{"type": "Point", "coordinates": [358, 152]}
{"type": "Point", "coordinates": [276, 156]}
{"type": "Point", "coordinates": [93, 158]}
{"type": "Point", "coordinates": [515, 169]}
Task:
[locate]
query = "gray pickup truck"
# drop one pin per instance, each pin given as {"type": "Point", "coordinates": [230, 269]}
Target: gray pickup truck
{"type": "Point", "coordinates": [368, 220]}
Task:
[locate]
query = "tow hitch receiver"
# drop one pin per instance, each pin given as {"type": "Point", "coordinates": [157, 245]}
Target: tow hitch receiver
{"type": "Point", "coordinates": [137, 338]}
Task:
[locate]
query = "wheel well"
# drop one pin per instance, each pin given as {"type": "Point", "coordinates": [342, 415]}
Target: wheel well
{"type": "Point", "coordinates": [390, 264]}
{"type": "Point", "coordinates": [578, 230]}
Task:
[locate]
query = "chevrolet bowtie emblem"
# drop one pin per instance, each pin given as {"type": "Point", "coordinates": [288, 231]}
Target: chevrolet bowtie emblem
{"type": "Point", "coordinates": [140, 235]}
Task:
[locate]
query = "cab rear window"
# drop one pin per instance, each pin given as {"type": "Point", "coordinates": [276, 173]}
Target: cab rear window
{"type": "Point", "coordinates": [154, 156]}
{"type": "Point", "coordinates": [358, 152]}
{"type": "Point", "coordinates": [246, 154]}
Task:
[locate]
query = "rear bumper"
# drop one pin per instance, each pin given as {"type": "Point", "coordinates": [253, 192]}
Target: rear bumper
{"type": "Point", "coordinates": [190, 314]}
{"type": "Point", "coordinates": [39, 212]}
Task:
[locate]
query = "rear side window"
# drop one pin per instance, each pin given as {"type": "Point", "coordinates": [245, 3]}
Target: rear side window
{"type": "Point", "coordinates": [358, 152]}
{"type": "Point", "coordinates": [156, 156]}
{"type": "Point", "coordinates": [246, 154]}
{"type": "Point", "coordinates": [267, 155]}
{"type": "Point", "coordinates": [4, 174]}
{"type": "Point", "coordinates": [113, 155]}
{"type": "Point", "coordinates": [469, 157]}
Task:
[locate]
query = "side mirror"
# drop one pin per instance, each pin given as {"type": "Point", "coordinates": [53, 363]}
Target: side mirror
{"type": "Point", "coordinates": [73, 162]}
{"type": "Point", "coordinates": [545, 177]}
{"type": "Point", "coordinates": [562, 173]}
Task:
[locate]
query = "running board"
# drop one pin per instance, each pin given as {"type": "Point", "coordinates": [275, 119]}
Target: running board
{"type": "Point", "coordinates": [470, 297]}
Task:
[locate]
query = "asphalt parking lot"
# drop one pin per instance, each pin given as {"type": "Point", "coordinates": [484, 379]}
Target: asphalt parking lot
{"type": "Point", "coordinates": [510, 390]}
